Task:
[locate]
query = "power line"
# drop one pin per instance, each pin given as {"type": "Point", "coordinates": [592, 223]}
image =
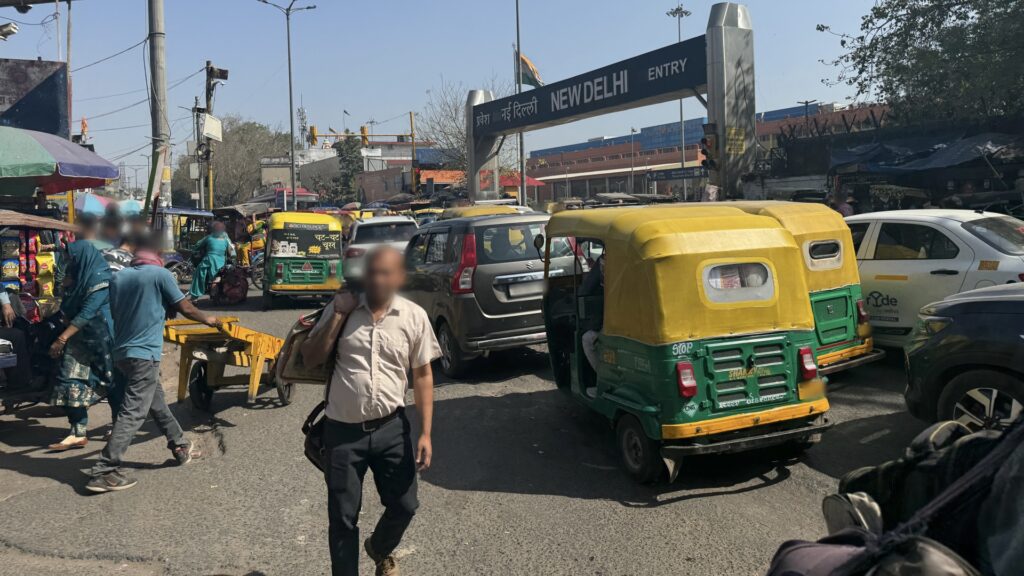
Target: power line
{"type": "Point", "coordinates": [115, 55]}
{"type": "Point", "coordinates": [137, 90]}
{"type": "Point", "coordinates": [43, 22]}
{"type": "Point", "coordinates": [144, 100]}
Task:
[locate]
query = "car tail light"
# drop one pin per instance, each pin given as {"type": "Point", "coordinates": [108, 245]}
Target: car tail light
{"type": "Point", "coordinates": [862, 312]}
{"type": "Point", "coordinates": [279, 270]}
{"type": "Point", "coordinates": [808, 367]}
{"type": "Point", "coordinates": [354, 252]}
{"type": "Point", "coordinates": [687, 380]}
{"type": "Point", "coordinates": [462, 282]}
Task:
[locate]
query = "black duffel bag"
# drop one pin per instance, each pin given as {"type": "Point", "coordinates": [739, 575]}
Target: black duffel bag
{"type": "Point", "coordinates": [904, 550]}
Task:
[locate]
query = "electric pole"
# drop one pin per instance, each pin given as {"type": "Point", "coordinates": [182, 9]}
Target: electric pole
{"type": "Point", "coordinates": [158, 91]}
{"type": "Point", "coordinates": [213, 77]}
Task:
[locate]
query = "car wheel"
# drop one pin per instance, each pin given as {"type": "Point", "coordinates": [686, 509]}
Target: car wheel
{"type": "Point", "coordinates": [639, 453]}
{"type": "Point", "coordinates": [982, 399]}
{"type": "Point", "coordinates": [453, 363]}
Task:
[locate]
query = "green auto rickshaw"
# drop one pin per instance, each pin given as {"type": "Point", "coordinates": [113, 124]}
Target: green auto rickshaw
{"type": "Point", "coordinates": [302, 256]}
{"type": "Point", "coordinates": [689, 327]}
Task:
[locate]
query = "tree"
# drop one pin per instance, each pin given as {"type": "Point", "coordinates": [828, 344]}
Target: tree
{"type": "Point", "coordinates": [938, 59]}
{"type": "Point", "coordinates": [444, 124]}
{"type": "Point", "coordinates": [236, 161]}
{"type": "Point", "coordinates": [350, 164]}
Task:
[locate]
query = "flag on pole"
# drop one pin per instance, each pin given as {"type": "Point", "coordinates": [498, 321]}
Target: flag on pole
{"type": "Point", "coordinates": [528, 73]}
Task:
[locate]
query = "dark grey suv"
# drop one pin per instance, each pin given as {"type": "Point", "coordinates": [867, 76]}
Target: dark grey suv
{"type": "Point", "coordinates": [481, 282]}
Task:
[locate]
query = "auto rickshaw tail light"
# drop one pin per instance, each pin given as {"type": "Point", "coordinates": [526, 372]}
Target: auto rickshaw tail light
{"type": "Point", "coordinates": [687, 379]}
{"type": "Point", "coordinates": [808, 367]}
{"type": "Point", "coordinates": [279, 270]}
{"type": "Point", "coordinates": [462, 281]}
{"type": "Point", "coordinates": [862, 312]}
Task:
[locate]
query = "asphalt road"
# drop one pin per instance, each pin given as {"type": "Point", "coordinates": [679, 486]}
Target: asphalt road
{"type": "Point", "coordinates": [524, 481]}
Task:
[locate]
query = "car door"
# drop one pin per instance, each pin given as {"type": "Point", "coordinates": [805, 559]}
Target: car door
{"type": "Point", "coordinates": [908, 264]}
{"type": "Point", "coordinates": [437, 269]}
{"type": "Point", "coordinates": [415, 269]}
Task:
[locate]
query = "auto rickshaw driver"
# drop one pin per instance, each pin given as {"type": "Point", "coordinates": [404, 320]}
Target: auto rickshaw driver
{"type": "Point", "coordinates": [593, 286]}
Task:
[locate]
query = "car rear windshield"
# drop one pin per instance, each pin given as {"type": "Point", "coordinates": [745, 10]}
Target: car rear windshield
{"type": "Point", "coordinates": [1003, 233]}
{"type": "Point", "coordinates": [384, 232]}
{"type": "Point", "coordinates": [507, 242]}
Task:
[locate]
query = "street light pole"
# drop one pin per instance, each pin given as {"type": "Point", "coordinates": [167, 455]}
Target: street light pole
{"type": "Point", "coordinates": [632, 154]}
{"type": "Point", "coordinates": [291, 98]}
{"type": "Point", "coordinates": [679, 13]}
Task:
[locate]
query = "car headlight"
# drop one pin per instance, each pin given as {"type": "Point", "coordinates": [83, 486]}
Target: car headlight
{"type": "Point", "coordinates": [932, 325]}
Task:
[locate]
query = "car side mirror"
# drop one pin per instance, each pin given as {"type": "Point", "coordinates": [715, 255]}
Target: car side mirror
{"type": "Point", "coordinates": [538, 243]}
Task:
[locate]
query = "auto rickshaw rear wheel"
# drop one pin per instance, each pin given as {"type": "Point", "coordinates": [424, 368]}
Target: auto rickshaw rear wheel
{"type": "Point", "coordinates": [639, 453]}
{"type": "Point", "coordinates": [199, 390]}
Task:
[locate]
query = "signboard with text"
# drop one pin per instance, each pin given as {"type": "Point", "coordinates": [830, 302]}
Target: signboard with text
{"type": "Point", "coordinates": [668, 73]}
{"type": "Point", "coordinates": [678, 173]}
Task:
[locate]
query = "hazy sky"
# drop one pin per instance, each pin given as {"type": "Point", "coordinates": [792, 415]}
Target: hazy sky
{"type": "Point", "coordinates": [378, 58]}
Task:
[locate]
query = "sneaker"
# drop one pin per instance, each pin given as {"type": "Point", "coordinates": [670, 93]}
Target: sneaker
{"type": "Point", "coordinates": [69, 443]}
{"type": "Point", "coordinates": [183, 453]}
{"type": "Point", "coordinates": [110, 482]}
{"type": "Point", "coordinates": [386, 566]}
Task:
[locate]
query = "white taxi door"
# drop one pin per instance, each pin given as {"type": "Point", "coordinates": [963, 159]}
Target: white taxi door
{"type": "Point", "coordinates": [906, 265]}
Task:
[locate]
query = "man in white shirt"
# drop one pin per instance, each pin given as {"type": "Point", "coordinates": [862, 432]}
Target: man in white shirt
{"type": "Point", "coordinates": [385, 337]}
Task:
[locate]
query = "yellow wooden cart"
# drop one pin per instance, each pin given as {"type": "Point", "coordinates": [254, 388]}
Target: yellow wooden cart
{"type": "Point", "coordinates": [206, 351]}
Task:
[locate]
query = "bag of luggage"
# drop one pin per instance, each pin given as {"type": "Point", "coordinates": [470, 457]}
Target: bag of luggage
{"type": "Point", "coordinates": [914, 516]}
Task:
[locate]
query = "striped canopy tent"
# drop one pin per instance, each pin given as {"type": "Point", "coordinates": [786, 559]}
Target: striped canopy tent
{"type": "Point", "coordinates": [31, 160]}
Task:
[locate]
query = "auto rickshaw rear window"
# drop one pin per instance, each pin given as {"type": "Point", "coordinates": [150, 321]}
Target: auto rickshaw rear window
{"type": "Point", "coordinates": [824, 250]}
{"type": "Point", "coordinates": [740, 282]}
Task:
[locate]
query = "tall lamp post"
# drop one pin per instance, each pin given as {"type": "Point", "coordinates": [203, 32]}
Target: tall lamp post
{"type": "Point", "coordinates": [287, 11]}
{"type": "Point", "coordinates": [679, 13]}
{"type": "Point", "coordinates": [632, 155]}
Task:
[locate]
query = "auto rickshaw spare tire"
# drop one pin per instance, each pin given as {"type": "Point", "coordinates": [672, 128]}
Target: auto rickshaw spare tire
{"type": "Point", "coordinates": [453, 363]}
{"type": "Point", "coordinates": [640, 454]}
{"type": "Point", "coordinates": [199, 390]}
{"type": "Point", "coordinates": [982, 399]}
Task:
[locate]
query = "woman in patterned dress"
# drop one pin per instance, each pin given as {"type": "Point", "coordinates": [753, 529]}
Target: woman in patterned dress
{"type": "Point", "coordinates": [83, 349]}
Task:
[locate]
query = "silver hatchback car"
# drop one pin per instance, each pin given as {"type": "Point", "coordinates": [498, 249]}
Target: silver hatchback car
{"type": "Point", "coordinates": [481, 281]}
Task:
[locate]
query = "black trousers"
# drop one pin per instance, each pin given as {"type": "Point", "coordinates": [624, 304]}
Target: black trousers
{"type": "Point", "coordinates": [388, 452]}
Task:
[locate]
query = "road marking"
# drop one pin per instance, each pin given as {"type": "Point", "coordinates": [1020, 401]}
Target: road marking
{"type": "Point", "coordinates": [872, 437]}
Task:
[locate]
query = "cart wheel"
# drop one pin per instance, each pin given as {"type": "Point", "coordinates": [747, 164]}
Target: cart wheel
{"type": "Point", "coordinates": [639, 453]}
{"type": "Point", "coordinates": [284, 392]}
{"type": "Point", "coordinates": [198, 388]}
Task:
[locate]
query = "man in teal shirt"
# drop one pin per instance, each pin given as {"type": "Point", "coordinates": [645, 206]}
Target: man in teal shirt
{"type": "Point", "coordinates": [139, 298]}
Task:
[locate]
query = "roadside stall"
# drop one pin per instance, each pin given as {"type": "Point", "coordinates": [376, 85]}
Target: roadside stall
{"type": "Point", "coordinates": [34, 165]}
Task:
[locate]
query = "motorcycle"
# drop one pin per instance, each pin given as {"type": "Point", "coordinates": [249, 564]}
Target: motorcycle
{"type": "Point", "coordinates": [230, 286]}
{"type": "Point", "coordinates": [41, 334]}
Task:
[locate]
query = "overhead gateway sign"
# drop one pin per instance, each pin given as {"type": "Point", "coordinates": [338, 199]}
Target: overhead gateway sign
{"type": "Point", "coordinates": [668, 73]}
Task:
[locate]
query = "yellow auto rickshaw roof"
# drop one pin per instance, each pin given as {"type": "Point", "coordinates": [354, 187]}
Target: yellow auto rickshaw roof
{"type": "Point", "coordinates": [277, 220]}
{"type": "Point", "coordinates": [811, 222]}
{"type": "Point", "coordinates": [477, 210]}
{"type": "Point", "coordinates": [655, 262]}
{"type": "Point", "coordinates": [428, 211]}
